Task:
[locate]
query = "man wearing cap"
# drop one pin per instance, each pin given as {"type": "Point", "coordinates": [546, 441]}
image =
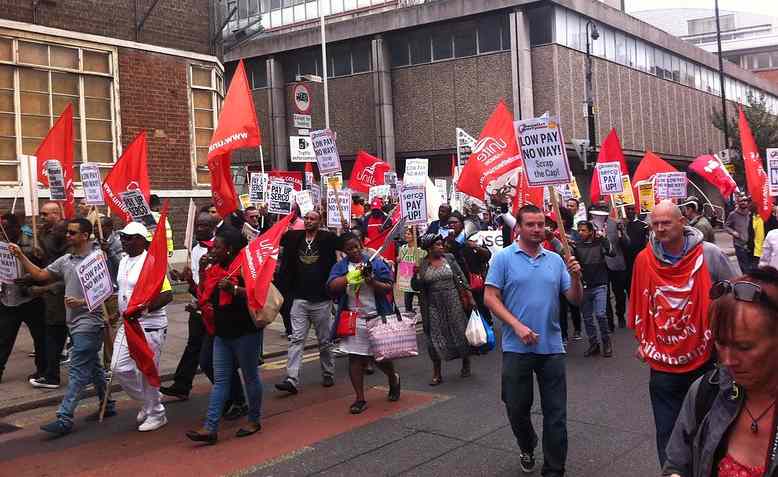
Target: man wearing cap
{"type": "Point", "coordinates": [691, 210]}
{"type": "Point", "coordinates": [85, 326]}
{"type": "Point", "coordinates": [153, 320]}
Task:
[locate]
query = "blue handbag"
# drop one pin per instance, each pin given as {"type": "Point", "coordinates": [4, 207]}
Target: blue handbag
{"type": "Point", "coordinates": [491, 340]}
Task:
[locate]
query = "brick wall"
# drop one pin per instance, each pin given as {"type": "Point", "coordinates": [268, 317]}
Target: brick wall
{"type": "Point", "coordinates": [181, 24]}
{"type": "Point", "coordinates": [153, 92]}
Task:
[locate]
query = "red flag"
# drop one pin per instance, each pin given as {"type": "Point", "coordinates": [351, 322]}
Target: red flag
{"type": "Point", "coordinates": [526, 194]}
{"type": "Point", "coordinates": [237, 127]}
{"type": "Point", "coordinates": [756, 178]}
{"type": "Point", "coordinates": [147, 288]}
{"type": "Point", "coordinates": [453, 165]}
{"type": "Point", "coordinates": [390, 251]}
{"type": "Point", "coordinates": [368, 171]}
{"type": "Point", "coordinates": [649, 166]}
{"type": "Point", "coordinates": [710, 169]}
{"type": "Point", "coordinates": [259, 262]}
{"type": "Point", "coordinates": [610, 151]}
{"type": "Point", "coordinates": [58, 146]}
{"type": "Point", "coordinates": [130, 172]}
{"type": "Point", "coordinates": [495, 154]}
{"type": "Point", "coordinates": [225, 199]}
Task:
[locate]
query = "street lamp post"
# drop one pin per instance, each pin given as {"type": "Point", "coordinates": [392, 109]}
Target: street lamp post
{"type": "Point", "coordinates": [721, 79]}
{"type": "Point", "coordinates": [594, 35]}
{"type": "Point", "coordinates": [324, 66]}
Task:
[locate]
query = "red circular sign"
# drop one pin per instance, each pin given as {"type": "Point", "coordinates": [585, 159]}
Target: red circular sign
{"type": "Point", "coordinates": [302, 98]}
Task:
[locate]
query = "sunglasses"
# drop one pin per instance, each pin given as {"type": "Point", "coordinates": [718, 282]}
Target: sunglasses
{"type": "Point", "coordinates": [742, 291]}
{"type": "Point", "coordinates": [72, 232]}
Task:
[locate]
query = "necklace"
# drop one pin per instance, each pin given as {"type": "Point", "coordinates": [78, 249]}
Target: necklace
{"type": "Point", "coordinates": [308, 243]}
{"type": "Point", "coordinates": [755, 421]}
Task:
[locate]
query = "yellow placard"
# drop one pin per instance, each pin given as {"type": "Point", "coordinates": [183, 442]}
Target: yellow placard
{"type": "Point", "coordinates": [335, 182]}
{"type": "Point", "coordinates": [626, 197]}
{"type": "Point", "coordinates": [244, 200]}
{"type": "Point", "coordinates": [646, 196]}
{"type": "Point", "coordinates": [574, 189]}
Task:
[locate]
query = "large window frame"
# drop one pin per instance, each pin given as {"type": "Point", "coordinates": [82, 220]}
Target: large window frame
{"type": "Point", "coordinates": [205, 105]}
{"type": "Point", "coordinates": [39, 75]}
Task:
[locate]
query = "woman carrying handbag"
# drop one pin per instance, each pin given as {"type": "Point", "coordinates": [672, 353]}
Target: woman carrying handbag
{"type": "Point", "coordinates": [446, 302]}
{"type": "Point", "coordinates": [360, 287]}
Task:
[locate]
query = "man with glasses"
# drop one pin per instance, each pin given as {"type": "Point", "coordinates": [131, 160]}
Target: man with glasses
{"type": "Point", "coordinates": [669, 311]}
{"type": "Point", "coordinates": [739, 226]}
{"type": "Point", "coordinates": [85, 327]}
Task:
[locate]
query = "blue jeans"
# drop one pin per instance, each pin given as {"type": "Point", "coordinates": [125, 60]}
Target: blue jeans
{"type": "Point", "coordinates": [667, 391]}
{"type": "Point", "coordinates": [244, 350]}
{"type": "Point", "coordinates": [85, 368]}
{"type": "Point", "coordinates": [593, 306]}
{"type": "Point", "coordinates": [745, 259]}
{"type": "Point", "coordinates": [518, 394]}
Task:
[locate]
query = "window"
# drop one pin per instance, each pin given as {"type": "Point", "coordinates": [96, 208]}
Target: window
{"type": "Point", "coordinates": [610, 43]}
{"type": "Point", "coordinates": [676, 68]}
{"type": "Point", "coordinates": [575, 39]}
{"type": "Point", "coordinates": [560, 25]}
{"type": "Point", "coordinates": [632, 59]}
{"type": "Point", "coordinates": [420, 48]}
{"type": "Point", "coordinates": [621, 48]}
{"type": "Point", "coordinates": [207, 94]}
{"type": "Point", "coordinates": [761, 60]}
{"type": "Point", "coordinates": [340, 60]}
{"type": "Point", "coordinates": [37, 82]}
{"type": "Point", "coordinates": [650, 60]}
{"type": "Point", "coordinates": [464, 41]}
{"type": "Point", "coordinates": [641, 56]}
{"type": "Point", "coordinates": [256, 69]}
{"type": "Point", "coordinates": [442, 44]}
{"type": "Point", "coordinates": [360, 56]}
{"type": "Point", "coordinates": [398, 49]}
{"type": "Point", "coordinates": [489, 34]}
{"type": "Point", "coordinates": [540, 27]}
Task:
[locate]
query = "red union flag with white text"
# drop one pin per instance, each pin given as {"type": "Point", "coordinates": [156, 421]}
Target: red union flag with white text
{"type": "Point", "coordinates": [368, 172]}
{"type": "Point", "coordinates": [237, 127]}
{"type": "Point", "coordinates": [130, 172]}
{"type": "Point", "coordinates": [756, 177]}
{"type": "Point", "coordinates": [495, 154]}
{"type": "Point", "coordinates": [259, 263]}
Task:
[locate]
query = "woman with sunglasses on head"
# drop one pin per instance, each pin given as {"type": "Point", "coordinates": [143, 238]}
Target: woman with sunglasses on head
{"type": "Point", "coordinates": [728, 425]}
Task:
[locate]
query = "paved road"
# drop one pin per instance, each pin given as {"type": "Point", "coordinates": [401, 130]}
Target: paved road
{"type": "Point", "coordinates": [456, 429]}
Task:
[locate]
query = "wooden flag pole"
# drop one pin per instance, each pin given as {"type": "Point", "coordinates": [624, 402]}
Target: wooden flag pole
{"type": "Point", "coordinates": [16, 196]}
{"type": "Point", "coordinates": [107, 338]}
{"type": "Point", "coordinates": [559, 222]}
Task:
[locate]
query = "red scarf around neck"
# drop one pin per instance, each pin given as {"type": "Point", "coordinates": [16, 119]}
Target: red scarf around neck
{"type": "Point", "coordinates": [668, 310]}
{"type": "Point", "coordinates": [212, 276]}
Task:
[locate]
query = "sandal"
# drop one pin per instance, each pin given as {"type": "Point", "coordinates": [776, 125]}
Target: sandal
{"type": "Point", "coordinates": [436, 381]}
{"type": "Point", "coordinates": [358, 407]}
{"type": "Point", "coordinates": [394, 390]}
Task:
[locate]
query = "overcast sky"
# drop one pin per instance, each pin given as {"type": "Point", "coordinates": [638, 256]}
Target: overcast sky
{"type": "Point", "coordinates": [765, 7]}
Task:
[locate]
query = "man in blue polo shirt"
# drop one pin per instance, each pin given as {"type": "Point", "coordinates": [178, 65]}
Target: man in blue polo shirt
{"type": "Point", "coordinates": [522, 290]}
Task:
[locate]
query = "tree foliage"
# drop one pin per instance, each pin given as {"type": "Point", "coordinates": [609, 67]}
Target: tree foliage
{"type": "Point", "coordinates": [764, 125]}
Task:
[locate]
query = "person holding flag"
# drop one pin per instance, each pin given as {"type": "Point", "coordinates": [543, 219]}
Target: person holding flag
{"type": "Point", "coordinates": [236, 338]}
{"type": "Point", "coordinates": [153, 321]}
{"type": "Point", "coordinates": [85, 327]}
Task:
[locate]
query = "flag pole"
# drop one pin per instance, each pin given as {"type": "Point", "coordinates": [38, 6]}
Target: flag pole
{"type": "Point", "coordinates": [262, 166]}
{"type": "Point", "coordinates": [108, 338]}
{"type": "Point", "coordinates": [110, 379]}
{"type": "Point", "coordinates": [559, 222]}
{"type": "Point", "coordinates": [16, 196]}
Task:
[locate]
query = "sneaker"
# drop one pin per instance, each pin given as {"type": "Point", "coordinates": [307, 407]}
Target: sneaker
{"type": "Point", "coordinates": [287, 386]}
{"type": "Point", "coordinates": [328, 381]}
{"type": "Point", "coordinates": [172, 391]}
{"type": "Point", "coordinates": [577, 336]}
{"type": "Point", "coordinates": [152, 423]}
{"type": "Point", "coordinates": [527, 462]}
{"type": "Point", "coordinates": [235, 412]}
{"type": "Point", "coordinates": [44, 383]}
{"type": "Point", "coordinates": [57, 428]}
{"type": "Point", "coordinates": [141, 417]}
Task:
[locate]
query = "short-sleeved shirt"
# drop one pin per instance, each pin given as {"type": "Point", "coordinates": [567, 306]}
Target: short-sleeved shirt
{"type": "Point", "coordinates": [530, 289]}
{"type": "Point", "coordinates": [80, 319]}
{"type": "Point", "coordinates": [129, 272]}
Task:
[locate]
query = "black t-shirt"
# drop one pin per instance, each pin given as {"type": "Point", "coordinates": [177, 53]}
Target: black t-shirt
{"type": "Point", "coordinates": [307, 264]}
{"type": "Point", "coordinates": [233, 320]}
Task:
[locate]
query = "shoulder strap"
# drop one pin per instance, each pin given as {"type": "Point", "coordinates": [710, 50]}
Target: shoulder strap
{"type": "Point", "coordinates": [706, 395]}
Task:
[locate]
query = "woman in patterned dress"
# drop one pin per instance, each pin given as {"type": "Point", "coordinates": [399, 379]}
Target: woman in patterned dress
{"type": "Point", "coordinates": [440, 280]}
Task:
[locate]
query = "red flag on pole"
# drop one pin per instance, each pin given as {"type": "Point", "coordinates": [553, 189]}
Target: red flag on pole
{"type": "Point", "coordinates": [711, 169]}
{"type": "Point", "coordinates": [756, 178]}
{"type": "Point", "coordinates": [149, 284]}
{"type": "Point", "coordinates": [389, 252]}
{"type": "Point", "coordinates": [610, 151]}
{"type": "Point", "coordinates": [259, 263]}
{"type": "Point", "coordinates": [58, 146]}
{"type": "Point", "coordinates": [649, 166]}
{"type": "Point", "coordinates": [368, 172]}
{"type": "Point", "coordinates": [495, 154]}
{"type": "Point", "coordinates": [526, 194]}
{"type": "Point", "coordinates": [130, 172]}
{"type": "Point", "coordinates": [237, 129]}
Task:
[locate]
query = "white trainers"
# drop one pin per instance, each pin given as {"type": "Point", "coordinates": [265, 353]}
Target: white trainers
{"type": "Point", "coordinates": [141, 418]}
{"type": "Point", "coordinates": [152, 423]}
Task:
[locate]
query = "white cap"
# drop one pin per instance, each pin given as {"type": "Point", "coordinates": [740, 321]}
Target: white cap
{"type": "Point", "coordinates": [135, 228]}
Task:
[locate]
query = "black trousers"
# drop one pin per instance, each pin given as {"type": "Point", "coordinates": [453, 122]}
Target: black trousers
{"type": "Point", "coordinates": [190, 359]}
{"type": "Point", "coordinates": [619, 283]}
{"type": "Point", "coordinates": [32, 314]}
{"type": "Point", "coordinates": [56, 335]}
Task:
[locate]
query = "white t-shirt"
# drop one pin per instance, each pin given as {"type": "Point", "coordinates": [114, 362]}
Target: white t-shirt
{"type": "Point", "coordinates": [129, 271]}
{"type": "Point", "coordinates": [197, 253]}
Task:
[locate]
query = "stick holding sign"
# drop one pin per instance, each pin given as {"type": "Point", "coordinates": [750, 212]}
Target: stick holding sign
{"type": "Point", "coordinates": [560, 224]}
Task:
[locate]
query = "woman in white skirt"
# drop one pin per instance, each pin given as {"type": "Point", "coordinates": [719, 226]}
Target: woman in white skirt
{"type": "Point", "coordinates": [362, 286]}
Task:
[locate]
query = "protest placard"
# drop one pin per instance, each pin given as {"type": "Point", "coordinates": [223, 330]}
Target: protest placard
{"type": "Point", "coordinates": [772, 170]}
{"type": "Point", "coordinates": [415, 172]}
{"type": "Point", "coordinates": [29, 179]}
{"type": "Point", "coordinates": [95, 279]}
{"type": "Point", "coordinates": [279, 197]}
{"type": "Point", "coordinates": [326, 151]}
{"type": "Point", "coordinates": [56, 179]}
{"type": "Point", "coordinates": [9, 268]}
{"type": "Point", "coordinates": [646, 197]}
{"type": "Point", "coordinates": [609, 174]}
{"type": "Point", "coordinates": [442, 188]}
{"type": "Point", "coordinates": [338, 207]}
{"type": "Point", "coordinates": [626, 196]}
{"type": "Point", "coordinates": [413, 205]}
{"type": "Point", "coordinates": [383, 191]}
{"type": "Point", "coordinates": [244, 201]}
{"type": "Point", "coordinates": [138, 208]}
{"type": "Point", "coordinates": [491, 239]}
{"type": "Point", "coordinates": [295, 178]}
{"type": "Point", "coordinates": [569, 190]}
{"type": "Point", "coordinates": [92, 182]}
{"type": "Point", "coordinates": [543, 150]}
{"type": "Point", "coordinates": [316, 194]}
{"type": "Point", "coordinates": [334, 181]}
{"type": "Point", "coordinates": [304, 200]}
{"type": "Point", "coordinates": [670, 185]}
{"type": "Point", "coordinates": [257, 187]}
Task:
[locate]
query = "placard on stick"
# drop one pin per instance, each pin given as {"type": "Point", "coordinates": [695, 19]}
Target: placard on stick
{"type": "Point", "coordinates": [670, 185]}
{"type": "Point", "coordinates": [56, 180]}
{"type": "Point", "coordinates": [95, 279]}
{"type": "Point", "coordinates": [626, 197]}
{"type": "Point", "coordinates": [416, 172]}
{"type": "Point", "coordinates": [138, 208]}
{"type": "Point", "coordinates": [93, 184]}
{"type": "Point", "coordinates": [280, 197]}
{"type": "Point", "coordinates": [609, 174]}
{"type": "Point", "coordinates": [9, 267]}
{"type": "Point", "coordinates": [772, 170]}
{"type": "Point", "coordinates": [543, 150]}
{"type": "Point", "coordinates": [326, 151]}
{"type": "Point", "coordinates": [304, 201]}
{"type": "Point", "coordinates": [257, 187]}
{"type": "Point", "coordinates": [335, 211]}
{"type": "Point", "coordinates": [383, 191]}
{"type": "Point", "coordinates": [413, 205]}
{"type": "Point", "coordinates": [646, 197]}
